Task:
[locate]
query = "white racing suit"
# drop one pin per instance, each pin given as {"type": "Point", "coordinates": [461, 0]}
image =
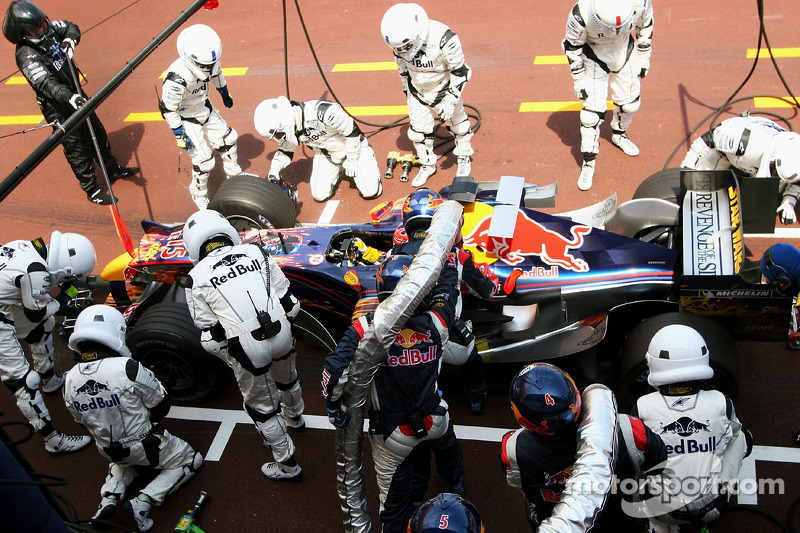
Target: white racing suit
{"type": "Point", "coordinates": [331, 132]}
{"type": "Point", "coordinates": [230, 287]}
{"type": "Point", "coordinates": [437, 73]}
{"type": "Point", "coordinates": [120, 401]}
{"type": "Point", "coordinates": [185, 102]}
{"type": "Point", "coordinates": [26, 312]}
{"type": "Point", "coordinates": [746, 143]}
{"type": "Point", "coordinates": [705, 447]}
{"type": "Point", "coordinates": [601, 60]}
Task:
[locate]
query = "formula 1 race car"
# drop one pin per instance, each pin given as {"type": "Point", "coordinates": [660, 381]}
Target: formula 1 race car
{"type": "Point", "coordinates": [604, 278]}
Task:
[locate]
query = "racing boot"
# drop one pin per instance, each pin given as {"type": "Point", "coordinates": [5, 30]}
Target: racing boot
{"type": "Point", "coordinates": [464, 166]}
{"type": "Point", "coordinates": [53, 383]}
{"type": "Point", "coordinates": [122, 172]}
{"type": "Point", "coordinates": [106, 510]}
{"type": "Point", "coordinates": [425, 172]}
{"type": "Point", "coordinates": [57, 443]}
{"type": "Point", "coordinates": [587, 173]}
{"type": "Point", "coordinates": [622, 142]}
{"type": "Point", "coordinates": [138, 509]}
{"type": "Point", "coordinates": [282, 472]}
{"type": "Point", "coordinates": [100, 197]}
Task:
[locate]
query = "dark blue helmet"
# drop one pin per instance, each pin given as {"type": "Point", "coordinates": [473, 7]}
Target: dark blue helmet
{"type": "Point", "coordinates": [446, 512]}
{"type": "Point", "coordinates": [780, 264]}
{"type": "Point", "coordinates": [390, 273]}
{"type": "Point", "coordinates": [544, 399]}
{"type": "Point", "coordinates": [418, 209]}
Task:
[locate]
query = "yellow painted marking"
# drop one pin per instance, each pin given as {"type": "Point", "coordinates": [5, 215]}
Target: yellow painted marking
{"type": "Point", "coordinates": [20, 120]}
{"type": "Point", "coordinates": [768, 102]}
{"type": "Point", "coordinates": [21, 80]}
{"type": "Point", "coordinates": [377, 110]}
{"type": "Point", "coordinates": [227, 71]}
{"type": "Point", "coordinates": [551, 107]}
{"type": "Point", "coordinates": [776, 52]}
{"type": "Point", "coordinates": [550, 60]}
{"type": "Point", "coordinates": [151, 116]}
{"type": "Point", "coordinates": [365, 67]}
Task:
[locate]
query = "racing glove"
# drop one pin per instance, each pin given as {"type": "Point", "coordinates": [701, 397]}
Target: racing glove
{"type": "Point", "coordinates": [77, 101]}
{"type": "Point", "coordinates": [183, 140]}
{"type": "Point", "coordinates": [351, 166]}
{"type": "Point", "coordinates": [447, 107]}
{"type": "Point", "coordinates": [581, 86]}
{"type": "Point", "coordinates": [68, 47]}
{"type": "Point", "coordinates": [644, 61]}
{"type": "Point", "coordinates": [786, 210]}
{"type": "Point", "coordinates": [227, 99]}
{"type": "Point", "coordinates": [336, 416]}
{"type": "Point", "coordinates": [68, 294]}
{"type": "Point", "coordinates": [510, 284]}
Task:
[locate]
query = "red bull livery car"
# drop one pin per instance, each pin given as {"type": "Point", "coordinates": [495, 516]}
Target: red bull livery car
{"type": "Point", "coordinates": [604, 277]}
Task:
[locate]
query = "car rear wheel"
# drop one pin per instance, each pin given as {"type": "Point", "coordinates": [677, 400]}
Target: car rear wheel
{"type": "Point", "coordinates": [249, 201]}
{"type": "Point", "coordinates": [633, 366]}
{"type": "Point", "coordinates": [664, 185]}
{"type": "Point", "coordinates": [166, 341]}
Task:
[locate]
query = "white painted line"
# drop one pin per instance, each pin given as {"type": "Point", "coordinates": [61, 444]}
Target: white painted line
{"type": "Point", "coordinates": [781, 233]}
{"type": "Point", "coordinates": [220, 441]}
{"type": "Point", "coordinates": [328, 212]}
{"type": "Point", "coordinates": [748, 479]}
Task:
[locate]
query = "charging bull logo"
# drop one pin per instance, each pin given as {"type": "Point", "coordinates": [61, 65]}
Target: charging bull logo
{"type": "Point", "coordinates": [685, 426]}
{"type": "Point", "coordinates": [228, 260]}
{"type": "Point", "coordinates": [408, 338]}
{"type": "Point", "coordinates": [530, 238]}
{"type": "Point", "coordinates": [559, 478]}
{"type": "Point", "coordinates": [91, 388]}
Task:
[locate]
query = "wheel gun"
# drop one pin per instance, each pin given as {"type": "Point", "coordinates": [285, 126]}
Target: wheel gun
{"type": "Point", "coordinates": [408, 161]}
{"type": "Point", "coordinates": [187, 522]}
{"type": "Point", "coordinates": [391, 162]}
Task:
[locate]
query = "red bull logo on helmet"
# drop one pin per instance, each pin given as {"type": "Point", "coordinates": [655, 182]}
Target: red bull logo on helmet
{"type": "Point", "coordinates": [530, 238]}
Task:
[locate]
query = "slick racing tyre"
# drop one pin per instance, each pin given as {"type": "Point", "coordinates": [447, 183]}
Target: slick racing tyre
{"type": "Point", "coordinates": [634, 372]}
{"type": "Point", "coordinates": [664, 185]}
{"type": "Point", "coordinates": [165, 340]}
{"type": "Point", "coordinates": [249, 201]}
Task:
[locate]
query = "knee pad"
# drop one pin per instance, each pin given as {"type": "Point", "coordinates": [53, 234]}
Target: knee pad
{"type": "Point", "coordinates": [205, 167]}
{"type": "Point", "coordinates": [229, 140]}
{"type": "Point", "coordinates": [591, 119]}
{"type": "Point", "coordinates": [462, 128]}
{"type": "Point", "coordinates": [632, 107]}
{"type": "Point", "coordinates": [417, 136]}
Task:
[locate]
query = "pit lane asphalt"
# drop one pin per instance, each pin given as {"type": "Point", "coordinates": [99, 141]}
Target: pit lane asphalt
{"type": "Point", "coordinates": [699, 58]}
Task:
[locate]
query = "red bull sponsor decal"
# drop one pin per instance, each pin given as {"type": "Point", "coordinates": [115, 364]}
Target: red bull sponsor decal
{"type": "Point", "coordinates": [408, 338]}
{"type": "Point", "coordinates": [410, 357]}
{"type": "Point", "coordinates": [559, 478]}
{"type": "Point", "coordinates": [530, 238]}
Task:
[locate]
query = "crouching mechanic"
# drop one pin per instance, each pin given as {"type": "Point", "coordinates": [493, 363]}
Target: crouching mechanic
{"type": "Point", "coordinates": [28, 271]}
{"type": "Point", "coordinates": [541, 458]}
{"type": "Point", "coordinates": [338, 144]}
{"type": "Point", "coordinates": [757, 146]}
{"type": "Point", "coordinates": [121, 403]}
{"type": "Point", "coordinates": [240, 301]}
{"type": "Point", "coordinates": [705, 440]}
{"type": "Point", "coordinates": [408, 417]}
{"type": "Point", "coordinates": [434, 73]}
{"type": "Point", "coordinates": [446, 512]}
{"type": "Point", "coordinates": [188, 110]}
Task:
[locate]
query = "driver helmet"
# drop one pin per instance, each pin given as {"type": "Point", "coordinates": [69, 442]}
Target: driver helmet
{"type": "Point", "coordinates": [446, 512]}
{"type": "Point", "coordinates": [677, 353]}
{"type": "Point", "coordinates": [418, 209]}
{"type": "Point", "coordinates": [200, 49]}
{"type": "Point", "coordinates": [200, 230]}
{"type": "Point", "coordinates": [613, 17]}
{"type": "Point", "coordinates": [545, 399]}
{"type": "Point", "coordinates": [69, 255]}
{"type": "Point", "coordinates": [274, 117]}
{"type": "Point", "coordinates": [787, 156]}
{"type": "Point", "coordinates": [780, 265]}
{"type": "Point", "coordinates": [100, 324]}
{"type": "Point", "coordinates": [22, 16]}
{"type": "Point", "coordinates": [390, 273]}
{"type": "Point", "coordinates": [405, 29]}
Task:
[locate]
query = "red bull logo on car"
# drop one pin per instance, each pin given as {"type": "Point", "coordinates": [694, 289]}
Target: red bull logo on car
{"type": "Point", "coordinates": [530, 238]}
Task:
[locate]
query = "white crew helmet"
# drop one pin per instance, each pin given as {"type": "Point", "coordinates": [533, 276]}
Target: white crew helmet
{"type": "Point", "coordinates": [275, 116]}
{"type": "Point", "coordinates": [677, 353]}
{"type": "Point", "coordinates": [200, 48]}
{"type": "Point", "coordinates": [787, 156]}
{"type": "Point", "coordinates": [69, 255]}
{"type": "Point", "coordinates": [613, 17]}
{"type": "Point", "coordinates": [201, 227]}
{"type": "Point", "coordinates": [405, 29]}
{"type": "Point", "coordinates": [101, 324]}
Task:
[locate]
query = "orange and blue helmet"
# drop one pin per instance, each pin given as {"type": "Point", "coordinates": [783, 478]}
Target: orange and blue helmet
{"type": "Point", "coordinates": [545, 399]}
{"type": "Point", "coordinates": [446, 512]}
{"type": "Point", "coordinates": [418, 209]}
